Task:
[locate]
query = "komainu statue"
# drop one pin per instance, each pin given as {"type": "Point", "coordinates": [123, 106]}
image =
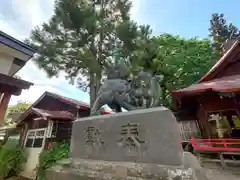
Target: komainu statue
{"type": "Point", "coordinates": [118, 92]}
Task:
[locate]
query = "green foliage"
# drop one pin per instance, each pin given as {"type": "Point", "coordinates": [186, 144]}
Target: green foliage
{"type": "Point", "coordinates": [20, 107]}
{"type": "Point", "coordinates": [220, 31]}
{"type": "Point", "coordinates": [83, 37]}
{"type": "Point", "coordinates": [181, 61]}
{"type": "Point", "coordinates": [12, 158]}
{"type": "Point", "coordinates": [49, 157]}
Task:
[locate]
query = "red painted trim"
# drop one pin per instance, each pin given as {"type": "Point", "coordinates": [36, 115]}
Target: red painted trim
{"type": "Point", "coordinates": [104, 112]}
{"type": "Point", "coordinates": [210, 144]}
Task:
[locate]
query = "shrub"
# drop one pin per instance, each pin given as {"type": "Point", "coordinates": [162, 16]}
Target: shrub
{"type": "Point", "coordinates": [12, 159]}
{"type": "Point", "coordinates": [49, 157]}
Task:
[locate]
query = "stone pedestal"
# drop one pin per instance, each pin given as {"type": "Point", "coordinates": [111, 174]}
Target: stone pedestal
{"type": "Point", "coordinates": [141, 144]}
{"type": "Point", "coordinates": [147, 136]}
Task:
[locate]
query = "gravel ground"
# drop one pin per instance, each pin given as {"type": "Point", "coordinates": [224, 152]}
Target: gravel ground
{"type": "Point", "coordinates": [215, 172]}
{"type": "Point", "coordinates": [219, 175]}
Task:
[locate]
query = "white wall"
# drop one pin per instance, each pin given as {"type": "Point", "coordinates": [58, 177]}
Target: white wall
{"type": "Point", "coordinates": [33, 152]}
{"type": "Point", "coordinates": [7, 56]}
{"type": "Point", "coordinates": [31, 164]}
{"type": "Point", "coordinates": [5, 63]}
{"type": "Point", "coordinates": [12, 52]}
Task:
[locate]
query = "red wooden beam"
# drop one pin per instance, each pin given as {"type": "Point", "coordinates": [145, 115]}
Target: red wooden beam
{"type": "Point", "coordinates": [213, 144]}
{"type": "Point", "coordinates": [4, 105]}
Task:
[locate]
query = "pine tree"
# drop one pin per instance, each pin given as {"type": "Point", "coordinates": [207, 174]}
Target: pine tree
{"type": "Point", "coordinates": [220, 31]}
{"type": "Point", "coordinates": [84, 36]}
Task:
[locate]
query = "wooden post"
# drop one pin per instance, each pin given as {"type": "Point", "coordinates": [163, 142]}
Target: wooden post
{"type": "Point", "coordinates": [217, 119]}
{"type": "Point", "coordinates": [1, 95]}
{"type": "Point", "coordinates": [24, 134]}
{"type": "Point", "coordinates": [203, 119]}
{"type": "Point", "coordinates": [4, 105]}
{"type": "Point", "coordinates": [230, 121]}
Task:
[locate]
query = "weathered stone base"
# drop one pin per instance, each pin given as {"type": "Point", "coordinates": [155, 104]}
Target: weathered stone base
{"type": "Point", "coordinates": [80, 169]}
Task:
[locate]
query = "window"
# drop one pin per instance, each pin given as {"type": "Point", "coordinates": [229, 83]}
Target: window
{"type": "Point", "coordinates": [35, 138]}
{"type": "Point", "coordinates": [52, 129]}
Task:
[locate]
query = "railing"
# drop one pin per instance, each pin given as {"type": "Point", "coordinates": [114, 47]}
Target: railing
{"type": "Point", "coordinates": [232, 145]}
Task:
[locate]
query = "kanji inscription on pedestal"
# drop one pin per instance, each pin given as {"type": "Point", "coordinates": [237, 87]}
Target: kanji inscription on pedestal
{"type": "Point", "coordinates": [130, 136]}
{"type": "Point", "coordinates": [93, 137]}
{"type": "Point", "coordinates": [134, 136]}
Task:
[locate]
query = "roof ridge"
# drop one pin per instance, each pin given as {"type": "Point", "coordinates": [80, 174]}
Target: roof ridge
{"type": "Point", "coordinates": [33, 108]}
{"type": "Point", "coordinates": [52, 113]}
{"type": "Point", "coordinates": [219, 62]}
{"type": "Point", "coordinates": [54, 95]}
{"type": "Point", "coordinates": [77, 102]}
{"type": "Point", "coordinates": [17, 41]}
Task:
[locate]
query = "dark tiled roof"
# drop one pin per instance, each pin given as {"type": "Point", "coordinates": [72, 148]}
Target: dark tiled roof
{"type": "Point", "coordinates": [211, 81]}
{"type": "Point", "coordinates": [224, 84]}
{"type": "Point", "coordinates": [80, 104]}
{"type": "Point", "coordinates": [4, 79]}
{"type": "Point", "coordinates": [68, 100]}
{"type": "Point", "coordinates": [16, 44]}
{"type": "Point", "coordinates": [72, 102]}
{"type": "Point", "coordinates": [54, 114]}
{"type": "Point", "coordinates": [12, 85]}
{"type": "Point", "coordinates": [57, 114]}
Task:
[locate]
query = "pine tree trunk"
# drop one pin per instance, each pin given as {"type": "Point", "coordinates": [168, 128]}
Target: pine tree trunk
{"type": "Point", "coordinates": [95, 76]}
{"type": "Point", "coordinates": [92, 90]}
{"type": "Point", "coordinates": [95, 83]}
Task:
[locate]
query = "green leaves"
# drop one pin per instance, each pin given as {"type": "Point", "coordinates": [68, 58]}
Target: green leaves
{"type": "Point", "coordinates": [12, 159]}
{"type": "Point", "coordinates": [20, 107]}
{"type": "Point", "coordinates": [181, 61]}
{"type": "Point", "coordinates": [50, 157]}
{"type": "Point", "coordinates": [83, 37]}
